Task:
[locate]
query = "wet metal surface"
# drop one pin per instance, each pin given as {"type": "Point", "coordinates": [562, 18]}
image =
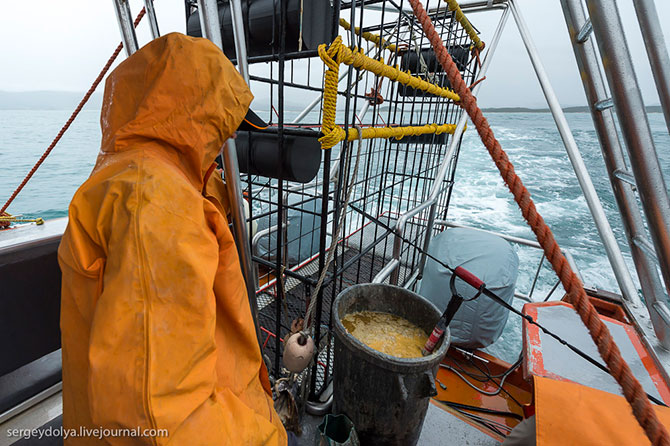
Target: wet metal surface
{"type": "Point", "coordinates": [548, 357]}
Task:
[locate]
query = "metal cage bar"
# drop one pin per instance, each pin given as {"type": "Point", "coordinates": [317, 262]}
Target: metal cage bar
{"type": "Point", "coordinates": [654, 43]}
{"type": "Point", "coordinates": [209, 22]}
{"type": "Point", "coordinates": [295, 222]}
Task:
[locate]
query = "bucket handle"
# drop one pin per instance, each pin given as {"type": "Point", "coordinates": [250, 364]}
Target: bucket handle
{"type": "Point", "coordinates": [425, 389]}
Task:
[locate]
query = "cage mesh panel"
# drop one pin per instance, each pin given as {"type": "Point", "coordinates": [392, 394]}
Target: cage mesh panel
{"type": "Point", "coordinates": [393, 177]}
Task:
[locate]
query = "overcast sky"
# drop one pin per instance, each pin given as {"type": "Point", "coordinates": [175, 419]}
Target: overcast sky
{"type": "Point", "coordinates": [56, 45]}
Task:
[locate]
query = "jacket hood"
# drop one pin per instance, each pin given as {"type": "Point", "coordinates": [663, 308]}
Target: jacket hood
{"type": "Point", "coordinates": [179, 95]}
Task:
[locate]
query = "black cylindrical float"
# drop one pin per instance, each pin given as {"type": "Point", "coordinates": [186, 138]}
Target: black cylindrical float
{"type": "Point", "coordinates": [411, 61]}
{"type": "Point", "coordinates": [258, 154]}
{"type": "Point", "coordinates": [261, 20]}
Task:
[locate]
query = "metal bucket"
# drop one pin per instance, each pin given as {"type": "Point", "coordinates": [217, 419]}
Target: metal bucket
{"type": "Point", "coordinates": [385, 397]}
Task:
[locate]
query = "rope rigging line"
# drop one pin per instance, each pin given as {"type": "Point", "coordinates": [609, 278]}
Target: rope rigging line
{"type": "Point", "coordinates": [399, 132]}
{"type": "Point", "coordinates": [619, 369]}
{"type": "Point", "coordinates": [69, 122]}
{"type": "Point", "coordinates": [311, 309]}
{"type": "Point", "coordinates": [338, 53]}
{"type": "Point", "coordinates": [308, 326]}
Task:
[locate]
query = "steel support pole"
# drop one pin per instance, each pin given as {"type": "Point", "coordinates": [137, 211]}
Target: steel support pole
{"type": "Point", "coordinates": [208, 11]}
{"type": "Point", "coordinates": [209, 23]}
{"type": "Point", "coordinates": [621, 272]}
{"type": "Point", "coordinates": [234, 171]}
{"type": "Point", "coordinates": [634, 126]}
{"type": "Point", "coordinates": [240, 39]}
{"type": "Point", "coordinates": [151, 15]}
{"type": "Point", "coordinates": [656, 51]}
{"type": "Point", "coordinates": [603, 120]}
{"type": "Point", "coordinates": [126, 26]}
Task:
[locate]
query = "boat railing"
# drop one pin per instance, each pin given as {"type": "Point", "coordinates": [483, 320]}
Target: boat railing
{"type": "Point", "coordinates": [395, 263]}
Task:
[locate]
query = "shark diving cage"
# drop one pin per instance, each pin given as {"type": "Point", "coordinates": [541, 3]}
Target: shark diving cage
{"type": "Point", "coordinates": [292, 224]}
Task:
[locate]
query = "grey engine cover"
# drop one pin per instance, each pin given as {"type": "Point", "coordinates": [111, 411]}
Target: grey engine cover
{"type": "Point", "coordinates": [480, 322]}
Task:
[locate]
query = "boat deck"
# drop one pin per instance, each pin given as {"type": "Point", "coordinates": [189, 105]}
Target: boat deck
{"type": "Point", "coordinates": [438, 426]}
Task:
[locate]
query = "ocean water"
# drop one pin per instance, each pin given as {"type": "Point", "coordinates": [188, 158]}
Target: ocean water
{"type": "Point", "coordinates": [480, 197]}
{"type": "Point", "coordinates": [533, 145]}
{"type": "Point", "coordinates": [24, 135]}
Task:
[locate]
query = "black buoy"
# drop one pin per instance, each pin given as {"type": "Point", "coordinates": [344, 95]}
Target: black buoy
{"type": "Point", "coordinates": [258, 154]}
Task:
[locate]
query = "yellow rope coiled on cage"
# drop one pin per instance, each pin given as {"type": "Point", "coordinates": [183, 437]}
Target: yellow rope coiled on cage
{"type": "Point", "coordinates": [465, 23]}
{"type": "Point", "coordinates": [401, 132]}
{"type": "Point", "coordinates": [370, 37]}
{"type": "Point", "coordinates": [338, 53]}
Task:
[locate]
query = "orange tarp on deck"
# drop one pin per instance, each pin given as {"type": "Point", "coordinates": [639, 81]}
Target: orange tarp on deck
{"type": "Point", "coordinates": [571, 414]}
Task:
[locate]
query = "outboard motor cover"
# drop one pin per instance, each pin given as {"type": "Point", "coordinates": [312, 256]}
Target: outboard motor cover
{"type": "Point", "coordinates": [478, 323]}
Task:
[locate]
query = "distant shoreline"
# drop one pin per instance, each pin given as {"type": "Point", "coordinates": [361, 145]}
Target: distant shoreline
{"type": "Point", "coordinates": [67, 100]}
{"type": "Point", "coordinates": [578, 109]}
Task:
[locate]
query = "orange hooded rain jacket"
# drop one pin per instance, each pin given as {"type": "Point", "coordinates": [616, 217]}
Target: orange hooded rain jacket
{"type": "Point", "coordinates": [156, 327]}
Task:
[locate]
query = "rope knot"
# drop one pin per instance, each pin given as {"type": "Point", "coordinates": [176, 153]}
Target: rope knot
{"type": "Point", "coordinates": [331, 137]}
{"type": "Point", "coordinates": [326, 55]}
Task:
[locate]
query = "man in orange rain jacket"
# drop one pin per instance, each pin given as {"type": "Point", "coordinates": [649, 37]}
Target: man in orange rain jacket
{"type": "Point", "coordinates": [156, 327]}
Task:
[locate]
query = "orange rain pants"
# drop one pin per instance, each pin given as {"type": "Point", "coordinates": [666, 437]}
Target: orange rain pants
{"type": "Point", "coordinates": [567, 413]}
{"type": "Point", "coordinates": [156, 327]}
